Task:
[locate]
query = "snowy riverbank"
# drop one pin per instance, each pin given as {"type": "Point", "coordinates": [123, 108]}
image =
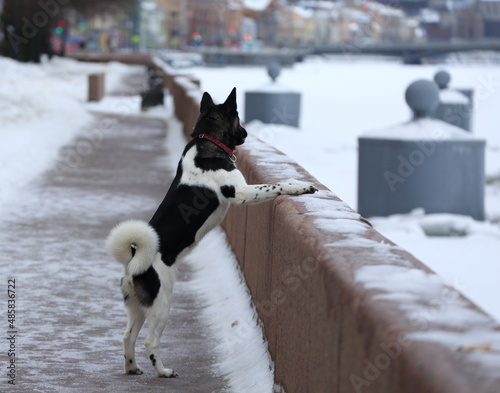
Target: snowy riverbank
{"type": "Point", "coordinates": [44, 106]}
{"type": "Point", "coordinates": [343, 98]}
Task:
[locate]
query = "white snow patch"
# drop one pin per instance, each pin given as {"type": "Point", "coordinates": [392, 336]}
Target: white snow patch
{"type": "Point", "coordinates": [229, 314]}
{"type": "Point", "coordinates": [438, 224]}
{"type": "Point", "coordinates": [450, 96]}
{"type": "Point", "coordinates": [275, 87]}
{"type": "Point", "coordinates": [325, 204]}
{"type": "Point", "coordinates": [426, 129]}
{"type": "Point", "coordinates": [41, 109]}
{"type": "Point", "coordinates": [424, 296]}
{"type": "Point", "coordinates": [128, 106]}
{"type": "Point", "coordinates": [191, 88]}
{"type": "Point", "coordinates": [276, 164]}
{"type": "Point", "coordinates": [396, 280]}
{"type": "Point", "coordinates": [462, 251]}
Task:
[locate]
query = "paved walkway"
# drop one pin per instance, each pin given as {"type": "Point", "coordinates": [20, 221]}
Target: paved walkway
{"type": "Point", "coordinates": [69, 313]}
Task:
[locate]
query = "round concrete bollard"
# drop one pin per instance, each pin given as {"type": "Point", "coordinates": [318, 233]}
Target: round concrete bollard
{"type": "Point", "coordinates": [273, 104]}
{"type": "Point", "coordinates": [422, 97]}
{"type": "Point", "coordinates": [425, 163]}
{"type": "Point", "coordinates": [274, 70]}
{"type": "Point", "coordinates": [454, 107]}
{"type": "Point", "coordinates": [442, 78]}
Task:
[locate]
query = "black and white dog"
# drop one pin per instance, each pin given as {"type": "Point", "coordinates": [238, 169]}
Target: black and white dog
{"type": "Point", "coordinates": [206, 184]}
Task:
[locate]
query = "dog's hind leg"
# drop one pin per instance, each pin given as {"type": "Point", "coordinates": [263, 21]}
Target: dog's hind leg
{"type": "Point", "coordinates": [157, 316]}
{"type": "Point", "coordinates": [136, 318]}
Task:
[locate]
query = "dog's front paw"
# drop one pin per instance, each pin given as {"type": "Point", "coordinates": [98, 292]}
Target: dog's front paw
{"type": "Point", "coordinates": [310, 190]}
{"type": "Point", "coordinates": [306, 190]}
{"type": "Point", "coordinates": [167, 373]}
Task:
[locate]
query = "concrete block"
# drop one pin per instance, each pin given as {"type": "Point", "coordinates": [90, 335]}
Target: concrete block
{"type": "Point", "coordinates": [397, 176]}
{"type": "Point", "coordinates": [455, 105]}
{"type": "Point", "coordinates": [273, 107]}
{"type": "Point", "coordinates": [425, 163]}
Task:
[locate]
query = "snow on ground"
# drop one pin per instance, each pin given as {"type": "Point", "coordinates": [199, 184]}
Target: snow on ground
{"type": "Point", "coordinates": [343, 98]}
{"type": "Point", "coordinates": [42, 104]}
{"type": "Point", "coordinates": [463, 251]}
{"type": "Point", "coordinates": [240, 347]}
{"type": "Point", "coordinates": [42, 108]}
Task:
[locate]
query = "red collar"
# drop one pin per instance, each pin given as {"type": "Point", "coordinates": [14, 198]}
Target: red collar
{"type": "Point", "coordinates": [228, 151]}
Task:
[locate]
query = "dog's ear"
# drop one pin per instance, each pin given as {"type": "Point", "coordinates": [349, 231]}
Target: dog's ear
{"type": "Point", "coordinates": [206, 102]}
{"type": "Point", "coordinates": [230, 102]}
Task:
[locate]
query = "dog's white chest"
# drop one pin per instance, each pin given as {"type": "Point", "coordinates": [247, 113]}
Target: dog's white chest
{"type": "Point", "coordinates": [194, 176]}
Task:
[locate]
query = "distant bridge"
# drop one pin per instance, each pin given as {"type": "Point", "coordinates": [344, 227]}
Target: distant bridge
{"type": "Point", "coordinates": [411, 53]}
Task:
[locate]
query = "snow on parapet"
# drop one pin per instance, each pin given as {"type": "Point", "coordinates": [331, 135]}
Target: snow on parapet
{"type": "Point", "coordinates": [423, 296]}
{"type": "Point", "coordinates": [437, 311]}
{"type": "Point", "coordinates": [276, 163]}
{"type": "Point", "coordinates": [332, 215]}
{"type": "Point", "coordinates": [191, 88]}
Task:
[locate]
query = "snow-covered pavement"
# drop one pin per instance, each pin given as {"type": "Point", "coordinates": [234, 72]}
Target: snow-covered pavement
{"type": "Point", "coordinates": [69, 314]}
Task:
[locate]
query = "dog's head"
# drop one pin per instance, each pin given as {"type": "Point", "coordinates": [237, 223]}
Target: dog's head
{"type": "Point", "coordinates": [220, 121]}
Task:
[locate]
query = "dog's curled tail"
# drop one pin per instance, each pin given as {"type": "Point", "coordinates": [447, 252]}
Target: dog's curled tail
{"type": "Point", "coordinates": [134, 243]}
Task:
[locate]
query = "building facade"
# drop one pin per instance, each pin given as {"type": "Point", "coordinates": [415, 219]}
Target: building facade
{"type": "Point", "coordinates": [212, 23]}
{"type": "Point", "coordinates": [173, 22]}
{"type": "Point", "coordinates": [490, 14]}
